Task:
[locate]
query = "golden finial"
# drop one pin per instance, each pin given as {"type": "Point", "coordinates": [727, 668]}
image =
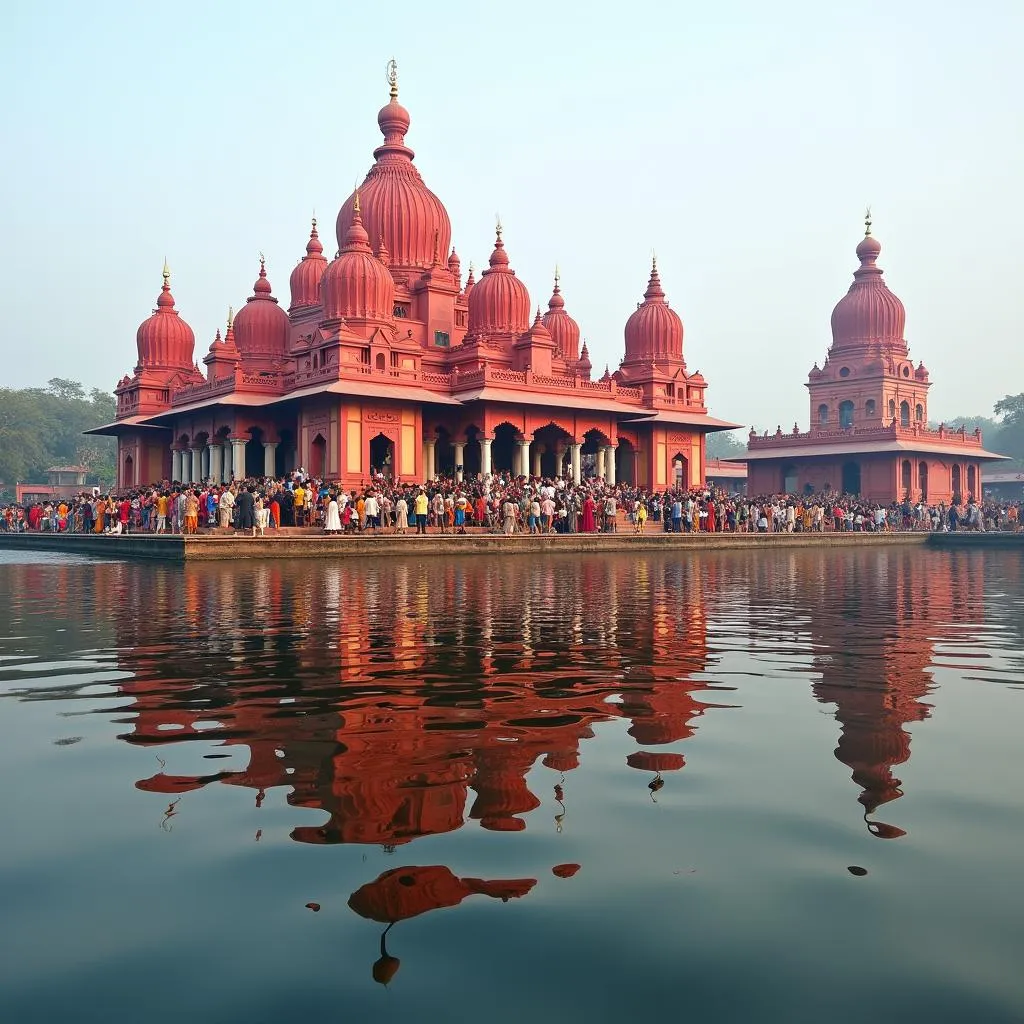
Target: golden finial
{"type": "Point", "coordinates": [471, 267]}
{"type": "Point", "coordinates": [167, 271]}
{"type": "Point", "coordinates": [867, 221]}
{"type": "Point", "coordinates": [393, 77]}
{"type": "Point", "coordinates": [497, 225]}
{"type": "Point", "coordinates": [231, 316]}
{"type": "Point", "coordinates": [558, 276]}
{"type": "Point", "coordinates": [263, 262]}
{"type": "Point", "coordinates": [654, 262]}
{"type": "Point", "coordinates": [356, 208]}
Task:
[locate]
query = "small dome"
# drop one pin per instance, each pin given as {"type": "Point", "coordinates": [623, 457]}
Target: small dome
{"type": "Point", "coordinates": [164, 340]}
{"type": "Point", "coordinates": [868, 313]}
{"type": "Point", "coordinates": [565, 332]}
{"type": "Point", "coordinates": [584, 366]}
{"type": "Point", "coordinates": [261, 327]}
{"type": "Point", "coordinates": [499, 302]}
{"type": "Point", "coordinates": [395, 204]}
{"type": "Point", "coordinates": [305, 280]}
{"type": "Point", "coordinates": [357, 284]}
{"type": "Point", "coordinates": [654, 332]}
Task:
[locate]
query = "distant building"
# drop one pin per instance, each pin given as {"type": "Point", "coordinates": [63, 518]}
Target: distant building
{"type": "Point", "coordinates": [1004, 486]}
{"type": "Point", "coordinates": [64, 482]}
{"type": "Point", "coordinates": [869, 413]}
{"type": "Point", "coordinates": [727, 476]}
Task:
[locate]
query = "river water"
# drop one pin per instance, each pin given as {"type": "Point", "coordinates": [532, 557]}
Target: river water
{"type": "Point", "coordinates": [777, 787]}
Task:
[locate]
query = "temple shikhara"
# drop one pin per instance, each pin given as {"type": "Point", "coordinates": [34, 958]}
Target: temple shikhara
{"type": "Point", "coordinates": [387, 361]}
{"type": "Point", "coordinates": [869, 432]}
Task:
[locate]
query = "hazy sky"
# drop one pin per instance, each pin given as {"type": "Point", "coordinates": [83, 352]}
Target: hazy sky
{"type": "Point", "coordinates": [739, 140]}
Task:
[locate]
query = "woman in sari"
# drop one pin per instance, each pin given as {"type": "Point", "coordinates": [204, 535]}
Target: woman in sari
{"type": "Point", "coordinates": [589, 525]}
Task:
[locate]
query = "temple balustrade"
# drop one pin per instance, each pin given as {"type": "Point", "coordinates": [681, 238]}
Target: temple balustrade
{"type": "Point", "coordinates": [892, 432]}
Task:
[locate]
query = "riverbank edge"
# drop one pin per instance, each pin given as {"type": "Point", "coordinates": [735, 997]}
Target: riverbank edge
{"type": "Point", "coordinates": [222, 548]}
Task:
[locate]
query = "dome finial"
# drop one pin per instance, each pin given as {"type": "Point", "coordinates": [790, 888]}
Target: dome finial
{"type": "Point", "coordinates": [393, 77]}
{"type": "Point", "coordinates": [356, 208]}
{"type": "Point", "coordinates": [231, 317]}
{"type": "Point", "coordinates": [497, 225]}
{"type": "Point", "coordinates": [263, 265]}
{"type": "Point", "coordinates": [867, 222]}
{"type": "Point", "coordinates": [558, 277]}
{"type": "Point", "coordinates": [167, 273]}
{"type": "Point", "coordinates": [654, 262]}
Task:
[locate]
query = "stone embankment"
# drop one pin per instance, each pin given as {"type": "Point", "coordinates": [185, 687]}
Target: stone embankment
{"type": "Point", "coordinates": [313, 544]}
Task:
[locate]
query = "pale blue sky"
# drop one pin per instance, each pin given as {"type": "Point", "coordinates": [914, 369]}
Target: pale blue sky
{"type": "Point", "coordinates": [740, 140]}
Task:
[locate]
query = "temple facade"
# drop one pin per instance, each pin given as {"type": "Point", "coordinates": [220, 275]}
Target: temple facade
{"type": "Point", "coordinates": [869, 432]}
{"type": "Point", "coordinates": [387, 361]}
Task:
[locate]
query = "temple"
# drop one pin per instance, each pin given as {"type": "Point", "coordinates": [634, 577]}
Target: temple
{"type": "Point", "coordinates": [869, 432]}
{"type": "Point", "coordinates": [387, 362]}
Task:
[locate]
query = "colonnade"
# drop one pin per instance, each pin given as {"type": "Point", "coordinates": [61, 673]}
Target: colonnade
{"type": "Point", "coordinates": [220, 463]}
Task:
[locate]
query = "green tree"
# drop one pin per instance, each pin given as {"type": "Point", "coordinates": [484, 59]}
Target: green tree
{"type": "Point", "coordinates": [725, 445]}
{"type": "Point", "coordinates": [1011, 409]}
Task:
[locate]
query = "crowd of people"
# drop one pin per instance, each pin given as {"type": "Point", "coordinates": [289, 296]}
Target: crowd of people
{"type": "Point", "coordinates": [498, 503]}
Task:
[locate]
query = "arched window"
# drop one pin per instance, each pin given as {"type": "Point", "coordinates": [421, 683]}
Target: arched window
{"type": "Point", "coordinates": [823, 413]}
{"type": "Point", "coordinates": [904, 414]}
{"type": "Point", "coordinates": [905, 476]}
{"type": "Point", "coordinates": [892, 408]}
{"type": "Point", "coordinates": [956, 488]}
{"type": "Point", "coordinates": [869, 408]}
{"type": "Point", "coordinates": [380, 361]}
{"type": "Point", "coordinates": [919, 413]}
{"type": "Point", "coordinates": [846, 414]}
{"type": "Point", "coordinates": [972, 481]}
{"type": "Point", "coordinates": [922, 480]}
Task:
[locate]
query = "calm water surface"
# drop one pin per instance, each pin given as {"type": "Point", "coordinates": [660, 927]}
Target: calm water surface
{"type": "Point", "coordinates": [775, 788]}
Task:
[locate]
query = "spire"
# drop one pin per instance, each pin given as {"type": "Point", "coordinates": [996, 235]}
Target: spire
{"type": "Point", "coordinates": [393, 78]}
{"type": "Point", "coordinates": [357, 239]}
{"type": "Point", "coordinates": [382, 252]}
{"type": "Point", "coordinates": [262, 287]}
{"type": "Point", "coordinates": [229, 335]}
{"type": "Point", "coordinates": [654, 291]}
{"type": "Point", "coordinates": [166, 299]}
{"type": "Point", "coordinates": [556, 301]}
{"type": "Point", "coordinates": [314, 247]}
{"type": "Point", "coordinates": [393, 121]}
{"type": "Point", "coordinates": [499, 258]}
{"type": "Point", "coordinates": [867, 221]}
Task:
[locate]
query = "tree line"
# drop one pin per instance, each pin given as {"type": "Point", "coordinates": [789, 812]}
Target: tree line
{"type": "Point", "coordinates": [43, 427]}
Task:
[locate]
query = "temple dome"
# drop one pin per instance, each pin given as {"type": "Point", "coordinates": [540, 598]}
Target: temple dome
{"type": "Point", "coordinates": [305, 280]}
{"type": "Point", "coordinates": [261, 326]}
{"type": "Point", "coordinates": [357, 284]}
{"type": "Point", "coordinates": [499, 302]}
{"type": "Point", "coordinates": [164, 340]}
{"type": "Point", "coordinates": [396, 205]}
{"type": "Point", "coordinates": [654, 332]}
{"type": "Point", "coordinates": [869, 313]}
{"type": "Point", "coordinates": [565, 332]}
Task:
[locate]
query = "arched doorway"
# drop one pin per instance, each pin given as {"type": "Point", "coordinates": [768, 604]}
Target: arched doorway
{"type": "Point", "coordinates": [593, 441]}
{"type": "Point", "coordinates": [551, 442]}
{"type": "Point", "coordinates": [922, 480]}
{"type": "Point", "coordinates": [284, 456]}
{"type": "Point", "coordinates": [318, 456]}
{"type": "Point", "coordinates": [956, 482]}
{"type": "Point", "coordinates": [254, 452]}
{"type": "Point", "coordinates": [904, 414]}
{"type": "Point", "coordinates": [972, 482]}
{"type": "Point", "coordinates": [851, 478]}
{"type": "Point", "coordinates": [128, 474]}
{"type": "Point", "coordinates": [905, 475]}
{"type": "Point", "coordinates": [503, 448]}
{"type": "Point", "coordinates": [444, 453]}
{"type": "Point", "coordinates": [789, 479]}
{"type": "Point", "coordinates": [471, 457]}
{"type": "Point", "coordinates": [382, 456]}
{"type": "Point", "coordinates": [625, 462]}
{"type": "Point", "coordinates": [680, 472]}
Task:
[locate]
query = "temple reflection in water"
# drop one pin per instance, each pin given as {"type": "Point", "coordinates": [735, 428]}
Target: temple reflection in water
{"type": "Point", "coordinates": [403, 699]}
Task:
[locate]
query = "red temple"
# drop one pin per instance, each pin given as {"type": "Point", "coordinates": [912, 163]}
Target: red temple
{"type": "Point", "coordinates": [869, 430]}
{"type": "Point", "coordinates": [387, 361]}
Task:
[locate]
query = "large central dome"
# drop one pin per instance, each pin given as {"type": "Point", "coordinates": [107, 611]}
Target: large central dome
{"type": "Point", "coordinates": [397, 208]}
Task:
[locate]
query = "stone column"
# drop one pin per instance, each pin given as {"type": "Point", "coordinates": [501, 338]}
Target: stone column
{"type": "Point", "coordinates": [175, 463]}
{"type": "Point", "coordinates": [225, 472]}
{"type": "Point", "coordinates": [460, 452]}
{"type": "Point", "coordinates": [535, 459]}
{"type": "Point", "coordinates": [196, 469]}
{"type": "Point", "coordinates": [609, 464]}
{"type": "Point", "coordinates": [523, 462]}
{"type": "Point", "coordinates": [429, 450]}
{"type": "Point", "coordinates": [575, 451]}
{"type": "Point", "coordinates": [599, 463]}
{"type": "Point", "coordinates": [238, 457]}
{"type": "Point", "coordinates": [270, 458]}
{"type": "Point", "coordinates": [215, 454]}
{"type": "Point", "coordinates": [204, 462]}
{"type": "Point", "coordinates": [485, 455]}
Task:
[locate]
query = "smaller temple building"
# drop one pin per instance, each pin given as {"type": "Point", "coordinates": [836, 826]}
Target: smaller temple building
{"type": "Point", "coordinates": [63, 482]}
{"type": "Point", "coordinates": [869, 433]}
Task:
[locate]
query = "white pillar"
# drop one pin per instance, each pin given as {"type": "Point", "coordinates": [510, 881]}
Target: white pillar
{"type": "Point", "coordinates": [175, 463]}
{"type": "Point", "coordinates": [460, 451]}
{"type": "Point", "coordinates": [609, 464]}
{"type": "Point", "coordinates": [270, 458]}
{"type": "Point", "coordinates": [225, 461]}
{"type": "Point", "coordinates": [238, 457]}
{"type": "Point", "coordinates": [204, 462]}
{"type": "Point", "coordinates": [485, 455]}
{"type": "Point", "coordinates": [431, 459]}
{"type": "Point", "coordinates": [535, 460]}
{"type": "Point", "coordinates": [196, 467]}
{"type": "Point", "coordinates": [575, 451]}
{"type": "Point", "coordinates": [215, 470]}
{"type": "Point", "coordinates": [522, 467]}
{"type": "Point", "coordinates": [599, 463]}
